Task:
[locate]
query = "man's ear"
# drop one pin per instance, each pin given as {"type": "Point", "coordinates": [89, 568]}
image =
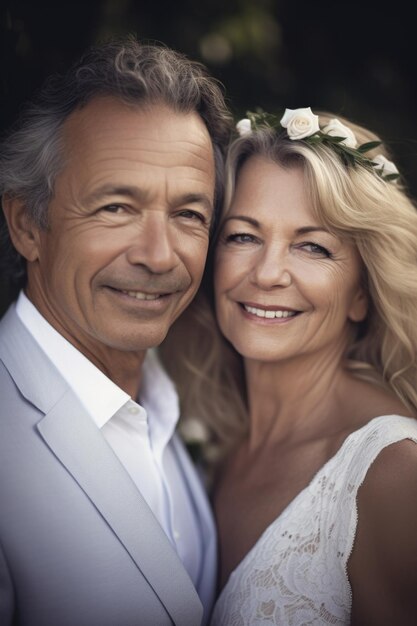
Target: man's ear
{"type": "Point", "coordinates": [359, 306]}
{"type": "Point", "coordinates": [23, 231]}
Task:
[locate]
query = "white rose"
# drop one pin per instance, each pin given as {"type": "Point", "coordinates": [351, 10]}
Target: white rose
{"type": "Point", "coordinates": [244, 127]}
{"type": "Point", "coordinates": [337, 129]}
{"type": "Point", "coordinates": [385, 166]}
{"type": "Point", "coordinates": [300, 123]}
{"type": "Point", "coordinates": [193, 431]}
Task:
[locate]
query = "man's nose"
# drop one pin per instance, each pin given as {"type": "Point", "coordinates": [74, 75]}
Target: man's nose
{"type": "Point", "coordinates": [154, 245]}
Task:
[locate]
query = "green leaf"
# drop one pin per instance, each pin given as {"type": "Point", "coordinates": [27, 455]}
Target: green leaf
{"type": "Point", "coordinates": [351, 157]}
{"type": "Point", "coordinates": [370, 145]}
{"type": "Point", "coordinates": [334, 139]}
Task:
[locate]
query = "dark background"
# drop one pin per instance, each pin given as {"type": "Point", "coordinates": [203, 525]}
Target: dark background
{"type": "Point", "coordinates": [356, 58]}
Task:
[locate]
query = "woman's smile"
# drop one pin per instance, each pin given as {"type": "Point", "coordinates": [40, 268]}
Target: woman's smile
{"type": "Point", "coordinates": [259, 312]}
{"type": "Point", "coordinates": [277, 267]}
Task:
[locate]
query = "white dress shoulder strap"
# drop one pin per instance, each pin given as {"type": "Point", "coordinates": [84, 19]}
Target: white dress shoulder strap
{"type": "Point", "coordinates": [296, 572]}
{"type": "Point", "coordinates": [362, 448]}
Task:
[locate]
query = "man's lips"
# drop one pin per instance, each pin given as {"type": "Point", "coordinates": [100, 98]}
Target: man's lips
{"type": "Point", "coordinates": [136, 294]}
{"type": "Point", "coordinates": [142, 295]}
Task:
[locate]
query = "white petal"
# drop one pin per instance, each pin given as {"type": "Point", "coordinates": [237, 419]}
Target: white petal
{"type": "Point", "coordinates": [387, 167]}
{"type": "Point", "coordinates": [335, 128]}
{"type": "Point", "coordinates": [244, 127]}
{"type": "Point", "coordinates": [193, 431]}
{"type": "Point", "coordinates": [290, 113]}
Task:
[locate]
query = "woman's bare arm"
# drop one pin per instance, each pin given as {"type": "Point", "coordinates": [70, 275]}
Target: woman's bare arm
{"type": "Point", "coordinates": [383, 565]}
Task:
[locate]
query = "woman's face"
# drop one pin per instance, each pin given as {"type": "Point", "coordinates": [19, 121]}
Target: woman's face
{"type": "Point", "coordinates": [284, 285]}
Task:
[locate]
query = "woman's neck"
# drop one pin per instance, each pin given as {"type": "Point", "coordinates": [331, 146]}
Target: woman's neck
{"type": "Point", "coordinates": [293, 398]}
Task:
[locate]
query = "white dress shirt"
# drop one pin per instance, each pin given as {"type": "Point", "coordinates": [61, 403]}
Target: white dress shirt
{"type": "Point", "coordinates": [139, 434]}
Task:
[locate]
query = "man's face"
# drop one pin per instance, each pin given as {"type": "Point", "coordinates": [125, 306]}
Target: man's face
{"type": "Point", "coordinates": [128, 226]}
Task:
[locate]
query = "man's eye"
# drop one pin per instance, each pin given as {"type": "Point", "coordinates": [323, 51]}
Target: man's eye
{"type": "Point", "coordinates": [193, 215]}
{"type": "Point", "coordinates": [112, 208]}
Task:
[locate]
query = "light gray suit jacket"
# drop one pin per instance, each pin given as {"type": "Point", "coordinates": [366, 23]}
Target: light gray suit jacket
{"type": "Point", "coordinates": [78, 544]}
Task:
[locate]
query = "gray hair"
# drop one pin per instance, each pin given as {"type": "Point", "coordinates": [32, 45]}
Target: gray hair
{"type": "Point", "coordinates": [32, 152]}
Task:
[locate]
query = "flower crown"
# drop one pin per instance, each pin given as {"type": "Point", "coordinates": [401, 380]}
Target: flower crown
{"type": "Point", "coordinates": [303, 124]}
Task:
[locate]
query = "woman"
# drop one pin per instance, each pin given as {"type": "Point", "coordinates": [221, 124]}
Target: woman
{"type": "Point", "coordinates": [316, 297]}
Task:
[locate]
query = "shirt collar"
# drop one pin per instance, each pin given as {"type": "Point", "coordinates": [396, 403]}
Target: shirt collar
{"type": "Point", "coordinates": [160, 399]}
{"type": "Point", "coordinates": [100, 396]}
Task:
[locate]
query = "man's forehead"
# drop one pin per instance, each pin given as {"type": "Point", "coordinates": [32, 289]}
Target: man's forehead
{"type": "Point", "coordinates": [109, 144]}
{"type": "Point", "coordinates": [156, 121]}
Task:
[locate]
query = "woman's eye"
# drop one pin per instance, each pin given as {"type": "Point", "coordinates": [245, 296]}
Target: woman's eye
{"type": "Point", "coordinates": [316, 249]}
{"type": "Point", "coordinates": [240, 238]}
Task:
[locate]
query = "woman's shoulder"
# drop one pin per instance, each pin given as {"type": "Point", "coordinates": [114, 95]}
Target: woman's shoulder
{"type": "Point", "coordinates": [393, 472]}
{"type": "Point", "coordinates": [388, 428]}
{"type": "Point", "coordinates": [378, 439]}
{"type": "Point", "coordinates": [384, 555]}
{"type": "Point", "coordinates": [363, 400]}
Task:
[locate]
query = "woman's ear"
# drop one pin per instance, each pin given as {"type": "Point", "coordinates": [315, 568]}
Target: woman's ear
{"type": "Point", "coordinates": [359, 306]}
{"type": "Point", "coordinates": [23, 231]}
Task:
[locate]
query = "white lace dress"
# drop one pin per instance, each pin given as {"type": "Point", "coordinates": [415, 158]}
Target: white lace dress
{"type": "Point", "coordinates": [295, 575]}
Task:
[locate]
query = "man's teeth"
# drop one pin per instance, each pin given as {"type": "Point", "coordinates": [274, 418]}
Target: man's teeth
{"type": "Point", "coordinates": [268, 314]}
{"type": "Point", "coordinates": [139, 295]}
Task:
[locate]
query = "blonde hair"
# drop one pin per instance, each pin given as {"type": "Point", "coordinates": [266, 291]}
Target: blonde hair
{"type": "Point", "coordinates": [352, 202]}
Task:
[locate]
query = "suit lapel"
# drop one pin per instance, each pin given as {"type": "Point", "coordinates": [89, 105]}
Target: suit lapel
{"type": "Point", "coordinates": [33, 373]}
{"type": "Point", "coordinates": [77, 442]}
{"type": "Point", "coordinates": [206, 583]}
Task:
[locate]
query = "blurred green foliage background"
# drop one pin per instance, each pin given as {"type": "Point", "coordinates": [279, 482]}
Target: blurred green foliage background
{"type": "Point", "coordinates": [353, 58]}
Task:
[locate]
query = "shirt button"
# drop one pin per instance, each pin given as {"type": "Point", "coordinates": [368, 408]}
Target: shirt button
{"type": "Point", "coordinates": [133, 410]}
{"type": "Point", "coordinates": [176, 535]}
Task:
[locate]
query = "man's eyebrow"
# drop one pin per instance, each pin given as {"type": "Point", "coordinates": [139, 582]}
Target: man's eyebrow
{"type": "Point", "coordinates": [195, 198]}
{"type": "Point", "coordinates": [140, 194]}
{"type": "Point", "coordinates": [116, 190]}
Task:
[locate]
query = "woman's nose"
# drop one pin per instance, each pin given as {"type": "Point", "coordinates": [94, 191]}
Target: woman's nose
{"type": "Point", "coordinates": [272, 268]}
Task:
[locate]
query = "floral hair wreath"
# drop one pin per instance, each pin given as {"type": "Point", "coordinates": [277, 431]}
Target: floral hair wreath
{"type": "Point", "coordinates": [304, 124]}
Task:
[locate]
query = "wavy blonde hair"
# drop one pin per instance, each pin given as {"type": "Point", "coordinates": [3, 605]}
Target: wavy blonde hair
{"type": "Point", "coordinates": [352, 202]}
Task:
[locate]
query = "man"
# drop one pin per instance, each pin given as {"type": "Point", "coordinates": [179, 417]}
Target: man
{"type": "Point", "coordinates": [108, 189]}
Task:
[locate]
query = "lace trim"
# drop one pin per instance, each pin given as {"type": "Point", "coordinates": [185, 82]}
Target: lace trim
{"type": "Point", "coordinates": [296, 573]}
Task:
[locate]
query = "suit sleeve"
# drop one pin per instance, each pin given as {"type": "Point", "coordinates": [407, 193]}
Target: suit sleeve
{"type": "Point", "coordinates": [6, 592]}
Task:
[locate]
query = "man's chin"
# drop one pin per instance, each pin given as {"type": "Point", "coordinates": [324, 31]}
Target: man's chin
{"type": "Point", "coordinates": [136, 342]}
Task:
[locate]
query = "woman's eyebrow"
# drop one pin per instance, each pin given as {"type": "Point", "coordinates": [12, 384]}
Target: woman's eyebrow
{"type": "Point", "coordinates": [311, 229]}
{"type": "Point", "coordinates": [303, 230]}
{"type": "Point", "coordinates": [243, 218]}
